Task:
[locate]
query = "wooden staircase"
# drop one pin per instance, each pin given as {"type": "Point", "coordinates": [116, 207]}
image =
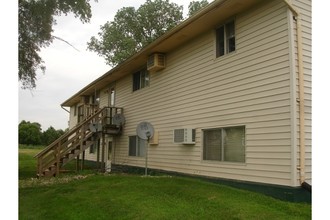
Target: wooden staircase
{"type": "Point", "coordinates": [76, 141]}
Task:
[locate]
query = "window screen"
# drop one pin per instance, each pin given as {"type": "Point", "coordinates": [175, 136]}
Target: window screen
{"type": "Point", "coordinates": [224, 144]}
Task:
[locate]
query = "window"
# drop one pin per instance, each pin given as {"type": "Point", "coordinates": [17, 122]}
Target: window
{"type": "Point", "coordinates": [75, 110]}
{"type": "Point", "coordinates": [140, 79]}
{"type": "Point", "coordinates": [225, 39]}
{"type": "Point", "coordinates": [137, 146]}
{"type": "Point", "coordinates": [93, 148]}
{"type": "Point", "coordinates": [95, 99]}
{"type": "Point", "coordinates": [112, 97]}
{"type": "Point", "coordinates": [80, 113]}
{"type": "Point", "coordinates": [224, 144]}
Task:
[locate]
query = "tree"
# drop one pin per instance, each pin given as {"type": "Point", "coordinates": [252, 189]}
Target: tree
{"type": "Point", "coordinates": [29, 133]}
{"type": "Point", "coordinates": [133, 29]}
{"type": "Point", "coordinates": [35, 22]}
{"type": "Point", "coordinates": [50, 135]}
{"type": "Point", "coordinates": [195, 6]}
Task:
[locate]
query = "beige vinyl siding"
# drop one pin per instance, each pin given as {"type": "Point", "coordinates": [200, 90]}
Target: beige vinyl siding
{"type": "Point", "coordinates": [304, 8]}
{"type": "Point", "coordinates": [73, 119]}
{"type": "Point", "coordinates": [249, 87]}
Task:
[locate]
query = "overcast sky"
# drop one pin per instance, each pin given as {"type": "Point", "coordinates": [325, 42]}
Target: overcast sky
{"type": "Point", "coordinates": [68, 70]}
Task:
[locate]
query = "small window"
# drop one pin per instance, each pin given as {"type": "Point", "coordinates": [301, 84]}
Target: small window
{"type": "Point", "coordinates": [140, 79]}
{"type": "Point", "coordinates": [137, 146]}
{"type": "Point", "coordinates": [95, 99]}
{"type": "Point", "coordinates": [225, 39]}
{"type": "Point", "coordinates": [80, 113]}
{"type": "Point", "coordinates": [75, 110]}
{"type": "Point", "coordinates": [93, 148]}
{"type": "Point", "coordinates": [224, 144]}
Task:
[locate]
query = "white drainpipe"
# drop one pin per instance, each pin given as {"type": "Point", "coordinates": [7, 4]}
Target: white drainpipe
{"type": "Point", "coordinates": [301, 98]}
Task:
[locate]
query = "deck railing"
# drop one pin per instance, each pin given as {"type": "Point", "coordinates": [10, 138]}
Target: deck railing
{"type": "Point", "coordinates": [73, 142]}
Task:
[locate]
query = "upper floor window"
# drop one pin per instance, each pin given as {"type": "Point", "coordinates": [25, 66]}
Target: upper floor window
{"type": "Point", "coordinates": [225, 39]}
{"type": "Point", "coordinates": [75, 110]}
{"type": "Point", "coordinates": [140, 79]}
{"type": "Point", "coordinates": [95, 98]}
{"type": "Point", "coordinates": [80, 113]}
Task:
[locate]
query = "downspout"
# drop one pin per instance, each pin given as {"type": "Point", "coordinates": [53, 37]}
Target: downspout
{"type": "Point", "coordinates": [301, 98]}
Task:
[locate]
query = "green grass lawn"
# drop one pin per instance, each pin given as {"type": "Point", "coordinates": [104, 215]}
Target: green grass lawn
{"type": "Point", "coordinates": [27, 166]}
{"type": "Point", "coordinates": [119, 196]}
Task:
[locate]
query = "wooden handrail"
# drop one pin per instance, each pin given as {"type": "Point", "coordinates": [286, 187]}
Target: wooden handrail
{"type": "Point", "coordinates": [69, 133]}
{"type": "Point", "coordinates": [65, 146]}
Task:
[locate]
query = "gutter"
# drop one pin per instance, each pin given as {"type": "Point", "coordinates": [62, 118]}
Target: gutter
{"type": "Point", "coordinates": [301, 98]}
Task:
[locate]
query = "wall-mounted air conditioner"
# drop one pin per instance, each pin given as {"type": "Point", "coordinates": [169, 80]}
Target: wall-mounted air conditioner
{"type": "Point", "coordinates": [156, 62]}
{"type": "Point", "coordinates": [184, 136]}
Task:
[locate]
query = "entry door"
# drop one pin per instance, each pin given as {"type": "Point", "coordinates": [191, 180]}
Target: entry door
{"type": "Point", "coordinates": [108, 157]}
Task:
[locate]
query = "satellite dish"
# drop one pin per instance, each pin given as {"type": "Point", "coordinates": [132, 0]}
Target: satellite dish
{"type": "Point", "coordinates": [145, 130]}
{"type": "Point", "coordinates": [118, 119]}
{"type": "Point", "coordinates": [92, 127]}
{"type": "Point", "coordinates": [95, 127]}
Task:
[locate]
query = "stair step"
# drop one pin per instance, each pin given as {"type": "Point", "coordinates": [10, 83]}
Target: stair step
{"type": "Point", "coordinates": [72, 144]}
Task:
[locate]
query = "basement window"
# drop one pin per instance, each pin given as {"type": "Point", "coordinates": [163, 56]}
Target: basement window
{"type": "Point", "coordinates": [140, 79]}
{"type": "Point", "coordinates": [93, 148]}
{"type": "Point", "coordinates": [136, 146]}
{"type": "Point", "coordinates": [225, 39]}
{"type": "Point", "coordinates": [224, 144]}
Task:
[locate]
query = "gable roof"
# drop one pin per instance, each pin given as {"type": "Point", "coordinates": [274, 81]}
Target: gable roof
{"type": "Point", "coordinates": [206, 19]}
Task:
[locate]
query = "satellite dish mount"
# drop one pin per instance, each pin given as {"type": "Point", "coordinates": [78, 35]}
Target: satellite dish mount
{"type": "Point", "coordinates": [145, 131]}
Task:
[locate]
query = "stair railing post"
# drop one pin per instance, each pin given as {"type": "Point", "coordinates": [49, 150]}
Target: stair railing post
{"type": "Point", "coordinates": [40, 166]}
{"type": "Point", "coordinates": [81, 141]}
{"type": "Point", "coordinates": [82, 161]}
{"type": "Point", "coordinates": [58, 157]}
{"type": "Point", "coordinates": [82, 137]}
{"type": "Point", "coordinates": [77, 163]}
{"type": "Point", "coordinates": [103, 152]}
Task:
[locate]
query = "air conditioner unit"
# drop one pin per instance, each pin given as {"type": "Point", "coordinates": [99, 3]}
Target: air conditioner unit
{"type": "Point", "coordinates": [184, 136]}
{"type": "Point", "coordinates": [156, 62]}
